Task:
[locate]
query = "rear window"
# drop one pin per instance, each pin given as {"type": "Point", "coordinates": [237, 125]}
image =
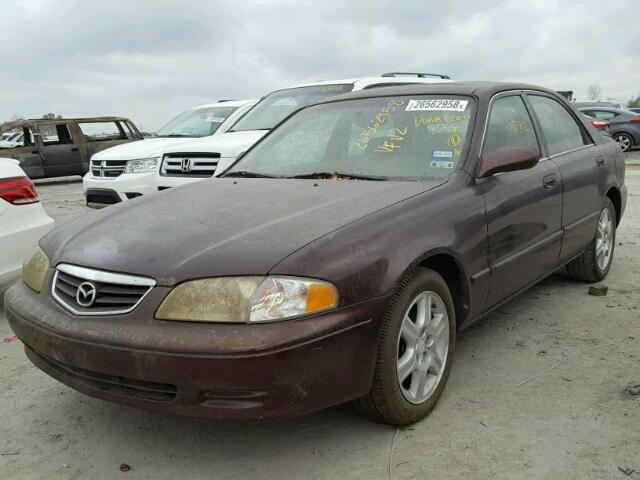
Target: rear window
{"type": "Point", "coordinates": [101, 131]}
{"type": "Point", "coordinates": [277, 106]}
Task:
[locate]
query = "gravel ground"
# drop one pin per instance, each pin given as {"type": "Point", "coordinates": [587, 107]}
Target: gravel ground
{"type": "Point", "coordinates": [575, 421]}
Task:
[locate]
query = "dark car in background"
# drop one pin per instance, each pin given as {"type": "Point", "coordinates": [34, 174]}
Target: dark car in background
{"type": "Point", "coordinates": [63, 146]}
{"type": "Point", "coordinates": [335, 261]}
{"type": "Point", "coordinates": [634, 110]}
{"type": "Point", "coordinates": [624, 125]}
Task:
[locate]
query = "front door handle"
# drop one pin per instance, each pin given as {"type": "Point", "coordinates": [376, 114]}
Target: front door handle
{"type": "Point", "coordinates": [549, 181]}
{"type": "Point", "coordinates": [75, 149]}
{"type": "Point", "coordinates": [600, 161]}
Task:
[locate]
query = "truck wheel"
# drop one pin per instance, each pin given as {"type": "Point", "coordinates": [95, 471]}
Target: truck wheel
{"type": "Point", "coordinates": [594, 264]}
{"type": "Point", "coordinates": [415, 352]}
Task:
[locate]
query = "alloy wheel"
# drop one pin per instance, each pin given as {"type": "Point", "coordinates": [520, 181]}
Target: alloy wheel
{"type": "Point", "coordinates": [423, 345]}
{"type": "Point", "coordinates": [604, 239]}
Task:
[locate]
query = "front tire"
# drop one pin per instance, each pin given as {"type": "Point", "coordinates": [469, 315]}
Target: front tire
{"type": "Point", "coordinates": [624, 140]}
{"type": "Point", "coordinates": [415, 351]}
{"type": "Point", "coordinates": [594, 264]}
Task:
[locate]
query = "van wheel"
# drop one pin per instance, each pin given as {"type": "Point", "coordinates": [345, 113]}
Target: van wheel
{"type": "Point", "coordinates": [594, 264]}
{"type": "Point", "coordinates": [415, 352]}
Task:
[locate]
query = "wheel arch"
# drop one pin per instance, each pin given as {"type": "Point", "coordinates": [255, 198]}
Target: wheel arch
{"type": "Point", "coordinates": [614, 195]}
{"type": "Point", "coordinates": [448, 265]}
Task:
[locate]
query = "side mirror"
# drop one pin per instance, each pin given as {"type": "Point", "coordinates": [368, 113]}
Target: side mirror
{"type": "Point", "coordinates": [508, 160]}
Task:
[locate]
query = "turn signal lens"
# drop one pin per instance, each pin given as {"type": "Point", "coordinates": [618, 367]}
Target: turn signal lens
{"type": "Point", "coordinates": [34, 270]}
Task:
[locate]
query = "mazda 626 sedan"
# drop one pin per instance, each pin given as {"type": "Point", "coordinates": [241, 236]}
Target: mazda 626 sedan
{"type": "Point", "coordinates": [335, 261]}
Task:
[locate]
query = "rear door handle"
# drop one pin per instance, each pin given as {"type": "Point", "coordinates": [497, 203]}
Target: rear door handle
{"type": "Point", "coordinates": [600, 161]}
{"type": "Point", "coordinates": [549, 181]}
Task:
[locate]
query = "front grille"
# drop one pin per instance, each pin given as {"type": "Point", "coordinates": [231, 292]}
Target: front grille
{"type": "Point", "coordinates": [107, 168]}
{"type": "Point", "coordinates": [84, 291]}
{"type": "Point", "coordinates": [192, 165]}
{"type": "Point", "coordinates": [158, 392]}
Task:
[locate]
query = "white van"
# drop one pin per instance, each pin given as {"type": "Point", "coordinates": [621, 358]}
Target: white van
{"type": "Point", "coordinates": [127, 171]}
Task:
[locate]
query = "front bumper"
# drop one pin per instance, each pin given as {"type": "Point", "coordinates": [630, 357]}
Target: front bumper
{"type": "Point", "coordinates": [238, 372]}
{"type": "Point", "coordinates": [100, 192]}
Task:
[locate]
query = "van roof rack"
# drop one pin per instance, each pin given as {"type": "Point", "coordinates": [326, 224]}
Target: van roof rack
{"type": "Point", "coordinates": [416, 74]}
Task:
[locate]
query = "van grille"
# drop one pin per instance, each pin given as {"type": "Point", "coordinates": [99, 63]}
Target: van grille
{"type": "Point", "coordinates": [192, 165]}
{"type": "Point", "coordinates": [85, 291]}
{"type": "Point", "coordinates": [107, 168]}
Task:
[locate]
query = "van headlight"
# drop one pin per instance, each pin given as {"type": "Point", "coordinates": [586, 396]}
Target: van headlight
{"type": "Point", "coordinates": [247, 299]}
{"type": "Point", "coordinates": [143, 165]}
{"type": "Point", "coordinates": [34, 270]}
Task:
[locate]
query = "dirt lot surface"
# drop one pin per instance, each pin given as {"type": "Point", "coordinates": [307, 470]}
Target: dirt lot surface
{"type": "Point", "coordinates": [578, 420]}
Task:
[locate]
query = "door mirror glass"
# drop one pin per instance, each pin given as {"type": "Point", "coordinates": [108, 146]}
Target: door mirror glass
{"type": "Point", "coordinates": [508, 160]}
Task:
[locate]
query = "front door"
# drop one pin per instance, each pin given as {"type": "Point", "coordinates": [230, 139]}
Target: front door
{"type": "Point", "coordinates": [523, 208]}
{"type": "Point", "coordinates": [59, 154]}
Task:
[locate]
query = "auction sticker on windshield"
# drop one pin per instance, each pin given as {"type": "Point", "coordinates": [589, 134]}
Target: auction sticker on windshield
{"type": "Point", "coordinates": [437, 104]}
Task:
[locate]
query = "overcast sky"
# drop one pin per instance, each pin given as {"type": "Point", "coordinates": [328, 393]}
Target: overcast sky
{"type": "Point", "coordinates": [149, 60]}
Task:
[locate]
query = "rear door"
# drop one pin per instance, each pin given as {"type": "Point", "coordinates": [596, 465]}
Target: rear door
{"type": "Point", "coordinates": [60, 156]}
{"type": "Point", "coordinates": [582, 165]}
{"type": "Point", "coordinates": [523, 207]}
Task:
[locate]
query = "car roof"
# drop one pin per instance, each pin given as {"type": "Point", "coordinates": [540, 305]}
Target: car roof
{"type": "Point", "coordinates": [225, 103]}
{"type": "Point", "coordinates": [44, 121]}
{"type": "Point", "coordinates": [470, 88]}
{"type": "Point", "coordinates": [362, 82]}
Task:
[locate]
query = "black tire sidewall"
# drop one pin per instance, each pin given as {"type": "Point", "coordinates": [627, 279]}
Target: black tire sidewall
{"type": "Point", "coordinates": [401, 409]}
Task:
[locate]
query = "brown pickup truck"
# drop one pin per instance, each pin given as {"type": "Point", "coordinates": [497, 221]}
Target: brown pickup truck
{"type": "Point", "coordinates": [60, 147]}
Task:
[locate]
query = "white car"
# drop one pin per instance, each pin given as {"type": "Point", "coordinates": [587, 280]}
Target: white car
{"type": "Point", "coordinates": [127, 171]}
{"type": "Point", "coordinates": [23, 221]}
{"type": "Point", "coordinates": [12, 140]}
{"type": "Point", "coordinates": [203, 158]}
{"type": "Point", "coordinates": [198, 159]}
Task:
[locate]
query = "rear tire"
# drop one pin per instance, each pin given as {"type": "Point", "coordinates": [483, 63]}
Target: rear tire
{"type": "Point", "coordinates": [624, 140]}
{"type": "Point", "coordinates": [594, 264]}
{"type": "Point", "coordinates": [415, 351]}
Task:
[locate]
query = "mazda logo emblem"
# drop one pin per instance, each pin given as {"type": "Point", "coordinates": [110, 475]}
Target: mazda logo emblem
{"type": "Point", "coordinates": [186, 165]}
{"type": "Point", "coordinates": [86, 294]}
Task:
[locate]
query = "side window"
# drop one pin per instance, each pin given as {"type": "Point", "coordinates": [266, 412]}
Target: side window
{"type": "Point", "coordinates": [561, 131]}
{"type": "Point", "coordinates": [55, 134]}
{"type": "Point", "coordinates": [509, 126]}
{"type": "Point", "coordinates": [601, 114]}
{"type": "Point", "coordinates": [101, 131]}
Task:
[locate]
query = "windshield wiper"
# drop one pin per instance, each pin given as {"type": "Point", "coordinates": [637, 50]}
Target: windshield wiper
{"type": "Point", "coordinates": [245, 174]}
{"type": "Point", "coordinates": [339, 176]}
{"type": "Point", "coordinates": [176, 135]}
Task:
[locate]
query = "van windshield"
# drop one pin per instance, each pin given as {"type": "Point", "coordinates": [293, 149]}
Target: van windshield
{"type": "Point", "coordinates": [197, 122]}
{"type": "Point", "coordinates": [383, 138]}
{"type": "Point", "coordinates": [277, 106]}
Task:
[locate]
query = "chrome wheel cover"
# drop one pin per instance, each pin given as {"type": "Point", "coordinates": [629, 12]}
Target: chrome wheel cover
{"type": "Point", "coordinates": [423, 345]}
{"type": "Point", "coordinates": [604, 239]}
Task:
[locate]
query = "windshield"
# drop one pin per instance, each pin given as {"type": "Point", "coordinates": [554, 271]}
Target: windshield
{"type": "Point", "coordinates": [197, 122]}
{"type": "Point", "coordinates": [400, 138]}
{"type": "Point", "coordinates": [277, 106]}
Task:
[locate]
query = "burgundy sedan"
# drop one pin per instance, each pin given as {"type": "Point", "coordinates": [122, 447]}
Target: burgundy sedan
{"type": "Point", "coordinates": [335, 261]}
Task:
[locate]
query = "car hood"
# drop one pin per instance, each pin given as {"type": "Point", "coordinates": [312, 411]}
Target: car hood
{"type": "Point", "coordinates": [147, 148]}
{"type": "Point", "coordinates": [229, 144]}
{"type": "Point", "coordinates": [220, 226]}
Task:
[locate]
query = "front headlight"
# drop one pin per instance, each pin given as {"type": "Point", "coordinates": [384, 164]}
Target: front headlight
{"type": "Point", "coordinates": [144, 165]}
{"type": "Point", "coordinates": [34, 270]}
{"type": "Point", "coordinates": [247, 299]}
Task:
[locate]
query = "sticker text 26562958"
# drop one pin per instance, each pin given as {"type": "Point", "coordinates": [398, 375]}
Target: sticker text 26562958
{"type": "Point", "coordinates": [437, 104]}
